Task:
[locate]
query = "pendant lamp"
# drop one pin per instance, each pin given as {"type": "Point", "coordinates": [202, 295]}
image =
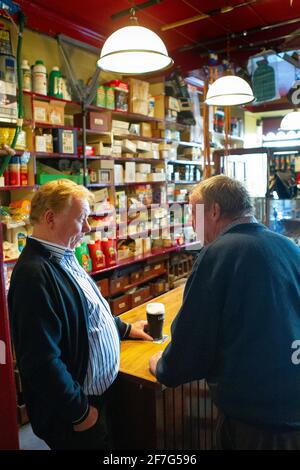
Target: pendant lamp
{"type": "Point", "coordinates": [229, 90]}
{"type": "Point", "coordinates": [134, 50]}
{"type": "Point", "coordinates": [291, 121]}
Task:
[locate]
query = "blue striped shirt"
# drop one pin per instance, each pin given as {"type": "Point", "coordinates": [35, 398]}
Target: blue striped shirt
{"type": "Point", "coordinates": [104, 341]}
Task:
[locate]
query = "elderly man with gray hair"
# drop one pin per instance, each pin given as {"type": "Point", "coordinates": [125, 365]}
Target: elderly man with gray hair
{"type": "Point", "coordinates": [239, 324]}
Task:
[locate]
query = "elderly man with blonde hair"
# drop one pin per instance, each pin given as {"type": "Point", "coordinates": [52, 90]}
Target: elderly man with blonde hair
{"type": "Point", "coordinates": [65, 337]}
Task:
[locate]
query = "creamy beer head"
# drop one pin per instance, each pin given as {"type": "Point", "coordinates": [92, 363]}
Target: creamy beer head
{"type": "Point", "coordinates": [155, 308]}
{"type": "Point", "coordinates": [155, 317]}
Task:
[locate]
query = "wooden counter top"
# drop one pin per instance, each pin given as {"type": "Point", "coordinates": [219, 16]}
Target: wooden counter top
{"type": "Point", "coordinates": [135, 354]}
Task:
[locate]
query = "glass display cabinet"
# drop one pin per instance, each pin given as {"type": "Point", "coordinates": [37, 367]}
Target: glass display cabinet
{"type": "Point", "coordinates": [272, 177]}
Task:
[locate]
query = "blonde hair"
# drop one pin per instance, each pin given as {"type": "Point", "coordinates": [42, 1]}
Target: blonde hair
{"type": "Point", "coordinates": [232, 197]}
{"type": "Point", "coordinates": [56, 195]}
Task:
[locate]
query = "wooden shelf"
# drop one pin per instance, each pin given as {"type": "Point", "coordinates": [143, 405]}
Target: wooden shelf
{"type": "Point", "coordinates": [125, 115]}
{"type": "Point", "coordinates": [221, 135]}
{"type": "Point", "coordinates": [185, 144]}
{"type": "Point", "coordinates": [178, 202]}
{"type": "Point", "coordinates": [139, 137]}
{"type": "Point", "coordinates": [100, 185]}
{"type": "Point", "coordinates": [183, 182]}
{"type": "Point", "coordinates": [10, 188]}
{"type": "Point", "coordinates": [185, 162]}
{"type": "Point", "coordinates": [142, 182]}
{"type": "Point", "coordinates": [137, 259]}
{"type": "Point", "coordinates": [123, 159]}
{"type": "Point", "coordinates": [50, 98]}
{"type": "Point", "coordinates": [140, 281]}
{"type": "Point", "coordinates": [56, 155]}
{"type": "Point", "coordinates": [54, 126]}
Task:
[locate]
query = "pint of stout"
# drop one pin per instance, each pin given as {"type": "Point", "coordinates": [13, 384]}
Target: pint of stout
{"type": "Point", "coordinates": [155, 317]}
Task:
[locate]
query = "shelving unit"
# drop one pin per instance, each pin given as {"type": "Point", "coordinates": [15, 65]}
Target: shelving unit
{"type": "Point", "coordinates": [72, 108]}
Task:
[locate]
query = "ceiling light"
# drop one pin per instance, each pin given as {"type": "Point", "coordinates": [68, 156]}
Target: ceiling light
{"type": "Point", "coordinates": [229, 90]}
{"type": "Point", "coordinates": [291, 121]}
{"type": "Point", "coordinates": [134, 50]}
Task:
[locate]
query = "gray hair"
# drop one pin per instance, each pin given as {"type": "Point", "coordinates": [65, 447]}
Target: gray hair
{"type": "Point", "coordinates": [232, 197]}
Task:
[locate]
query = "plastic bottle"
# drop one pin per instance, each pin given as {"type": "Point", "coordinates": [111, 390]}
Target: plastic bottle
{"type": "Point", "coordinates": [82, 254]}
{"type": "Point", "coordinates": [26, 75]}
{"type": "Point", "coordinates": [55, 83]}
{"type": "Point", "coordinates": [96, 254]}
{"type": "Point", "coordinates": [39, 74]}
{"type": "Point", "coordinates": [14, 171]}
{"type": "Point", "coordinates": [23, 173]}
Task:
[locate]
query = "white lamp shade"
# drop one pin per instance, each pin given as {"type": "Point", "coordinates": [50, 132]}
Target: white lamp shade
{"type": "Point", "coordinates": [291, 121]}
{"type": "Point", "coordinates": [134, 50]}
{"type": "Point", "coordinates": [229, 90]}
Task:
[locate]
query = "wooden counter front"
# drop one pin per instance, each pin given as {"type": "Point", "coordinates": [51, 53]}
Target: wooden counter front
{"type": "Point", "coordinates": [148, 415]}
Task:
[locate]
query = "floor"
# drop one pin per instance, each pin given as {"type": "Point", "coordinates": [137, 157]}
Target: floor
{"type": "Point", "coordinates": [29, 441]}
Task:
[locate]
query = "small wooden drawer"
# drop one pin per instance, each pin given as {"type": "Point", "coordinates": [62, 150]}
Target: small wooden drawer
{"type": "Point", "coordinates": [103, 286]}
{"type": "Point", "coordinates": [117, 285]}
{"type": "Point", "coordinates": [120, 304]}
{"type": "Point", "coordinates": [136, 276]}
{"type": "Point", "coordinates": [22, 414]}
{"type": "Point", "coordinates": [147, 271]}
{"type": "Point", "coordinates": [157, 268]}
{"type": "Point", "coordinates": [158, 287]}
{"type": "Point", "coordinates": [140, 296]}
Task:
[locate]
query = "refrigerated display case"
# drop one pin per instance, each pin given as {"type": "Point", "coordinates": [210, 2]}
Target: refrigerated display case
{"type": "Point", "coordinates": [272, 177]}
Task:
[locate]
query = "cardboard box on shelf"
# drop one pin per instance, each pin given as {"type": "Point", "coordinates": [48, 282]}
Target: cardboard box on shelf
{"type": "Point", "coordinates": [40, 143]}
{"type": "Point", "coordinates": [40, 111]}
{"type": "Point", "coordinates": [141, 177]}
{"type": "Point", "coordinates": [146, 245]}
{"type": "Point", "coordinates": [146, 130]}
{"type": "Point", "coordinates": [141, 145]}
{"type": "Point", "coordinates": [157, 88]}
{"type": "Point", "coordinates": [140, 107]}
{"type": "Point", "coordinates": [156, 177]}
{"type": "Point", "coordinates": [120, 124]}
{"type": "Point", "coordinates": [64, 141]}
{"type": "Point", "coordinates": [56, 112]}
{"type": "Point", "coordinates": [96, 121]}
{"type": "Point", "coordinates": [119, 174]}
{"type": "Point", "coordinates": [159, 108]}
{"type": "Point", "coordinates": [172, 103]}
{"type": "Point", "coordinates": [143, 167]}
{"type": "Point", "coordinates": [128, 146]}
{"type": "Point", "coordinates": [129, 172]}
{"type": "Point", "coordinates": [101, 195]}
{"type": "Point", "coordinates": [138, 89]}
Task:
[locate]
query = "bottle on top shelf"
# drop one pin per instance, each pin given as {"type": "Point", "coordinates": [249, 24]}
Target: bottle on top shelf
{"type": "Point", "coordinates": [55, 83]}
{"type": "Point", "coordinates": [39, 74]}
{"type": "Point", "coordinates": [26, 76]}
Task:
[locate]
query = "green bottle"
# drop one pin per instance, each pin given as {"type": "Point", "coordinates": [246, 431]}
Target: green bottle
{"type": "Point", "coordinates": [83, 256]}
{"type": "Point", "coordinates": [55, 83]}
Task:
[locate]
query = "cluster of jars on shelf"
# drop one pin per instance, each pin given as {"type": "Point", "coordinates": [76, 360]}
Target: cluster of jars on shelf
{"type": "Point", "coordinates": [35, 79]}
{"type": "Point", "coordinates": [184, 172]}
{"type": "Point", "coordinates": [236, 124]}
{"type": "Point", "coordinates": [282, 163]}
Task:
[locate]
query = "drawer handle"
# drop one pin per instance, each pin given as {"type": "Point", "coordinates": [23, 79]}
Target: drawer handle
{"type": "Point", "coordinates": [137, 299]}
{"type": "Point", "coordinates": [157, 266]}
{"type": "Point", "coordinates": [122, 305]}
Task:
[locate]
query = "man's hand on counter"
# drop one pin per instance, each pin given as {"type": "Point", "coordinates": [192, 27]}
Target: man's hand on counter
{"type": "Point", "coordinates": [138, 331]}
{"type": "Point", "coordinates": [153, 362]}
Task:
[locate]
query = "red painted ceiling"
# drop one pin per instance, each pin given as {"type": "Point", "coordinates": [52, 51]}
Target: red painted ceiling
{"type": "Point", "coordinates": [90, 21]}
